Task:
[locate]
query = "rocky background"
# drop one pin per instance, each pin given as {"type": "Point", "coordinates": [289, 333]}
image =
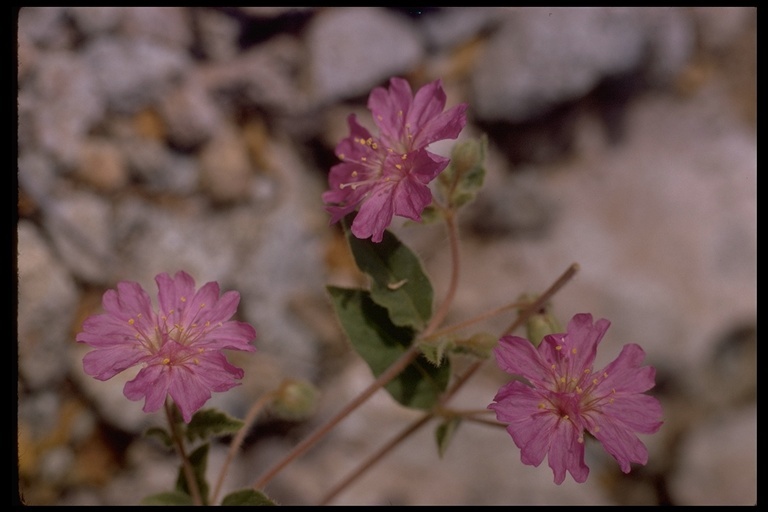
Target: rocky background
{"type": "Point", "coordinates": [159, 139]}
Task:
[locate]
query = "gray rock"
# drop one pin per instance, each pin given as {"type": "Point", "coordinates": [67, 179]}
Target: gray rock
{"type": "Point", "coordinates": [718, 464]}
{"type": "Point", "coordinates": [170, 26]}
{"type": "Point", "coordinates": [47, 300]}
{"type": "Point", "coordinates": [132, 73]}
{"type": "Point", "coordinates": [93, 21]}
{"type": "Point", "coordinates": [46, 26]}
{"type": "Point", "coordinates": [79, 224]}
{"type": "Point", "coordinates": [265, 76]}
{"type": "Point", "coordinates": [190, 115]}
{"type": "Point", "coordinates": [354, 49]}
{"type": "Point", "coordinates": [540, 57]}
{"type": "Point", "coordinates": [61, 104]}
{"type": "Point", "coordinates": [452, 26]}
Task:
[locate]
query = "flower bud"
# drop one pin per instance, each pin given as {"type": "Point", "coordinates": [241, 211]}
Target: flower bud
{"type": "Point", "coordinates": [295, 400]}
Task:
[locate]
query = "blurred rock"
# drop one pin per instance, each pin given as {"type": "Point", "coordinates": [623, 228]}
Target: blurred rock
{"type": "Point", "coordinates": [47, 299]}
{"type": "Point", "coordinates": [132, 73]}
{"type": "Point", "coordinates": [354, 49]}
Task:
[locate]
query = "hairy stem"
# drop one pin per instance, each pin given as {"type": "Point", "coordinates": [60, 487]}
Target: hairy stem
{"type": "Point", "coordinates": [237, 442]}
{"type": "Point", "coordinates": [390, 373]}
{"type": "Point", "coordinates": [375, 458]}
{"type": "Point", "coordinates": [469, 415]}
{"type": "Point", "coordinates": [178, 442]}
{"type": "Point", "coordinates": [453, 238]}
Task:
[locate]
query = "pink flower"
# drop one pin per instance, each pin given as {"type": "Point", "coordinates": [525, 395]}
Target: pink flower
{"type": "Point", "coordinates": [179, 346]}
{"type": "Point", "coordinates": [564, 396]}
{"type": "Point", "coordinates": [389, 175]}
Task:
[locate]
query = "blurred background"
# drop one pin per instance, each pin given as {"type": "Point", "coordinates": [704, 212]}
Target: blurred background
{"type": "Point", "coordinates": [159, 139]}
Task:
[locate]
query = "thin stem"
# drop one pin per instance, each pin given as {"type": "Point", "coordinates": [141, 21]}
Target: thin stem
{"type": "Point", "coordinates": [178, 442]}
{"type": "Point", "coordinates": [543, 298]}
{"type": "Point", "coordinates": [413, 427]}
{"type": "Point", "coordinates": [472, 321]}
{"type": "Point", "coordinates": [390, 373]}
{"type": "Point", "coordinates": [521, 318]}
{"type": "Point", "coordinates": [482, 421]}
{"type": "Point", "coordinates": [237, 442]}
{"type": "Point", "coordinates": [453, 238]}
{"type": "Point", "coordinates": [376, 457]}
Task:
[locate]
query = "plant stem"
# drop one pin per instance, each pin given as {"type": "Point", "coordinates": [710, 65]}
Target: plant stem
{"type": "Point", "coordinates": [178, 442]}
{"type": "Point", "coordinates": [472, 321]}
{"type": "Point", "coordinates": [376, 457]}
{"type": "Point", "coordinates": [413, 427]}
{"type": "Point", "coordinates": [390, 373]}
{"type": "Point", "coordinates": [237, 442]}
{"type": "Point", "coordinates": [453, 238]}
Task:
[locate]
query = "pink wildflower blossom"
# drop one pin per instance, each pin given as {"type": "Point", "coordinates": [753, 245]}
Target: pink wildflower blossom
{"type": "Point", "coordinates": [389, 175]}
{"type": "Point", "coordinates": [564, 396]}
{"type": "Point", "coordinates": [180, 346]}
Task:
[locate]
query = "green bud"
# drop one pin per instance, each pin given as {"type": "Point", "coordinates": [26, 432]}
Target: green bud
{"type": "Point", "coordinates": [461, 180]}
{"type": "Point", "coordinates": [295, 400]}
{"type": "Point", "coordinates": [540, 325]}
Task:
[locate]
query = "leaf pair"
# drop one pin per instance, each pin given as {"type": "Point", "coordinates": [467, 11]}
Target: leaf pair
{"type": "Point", "coordinates": [383, 322]}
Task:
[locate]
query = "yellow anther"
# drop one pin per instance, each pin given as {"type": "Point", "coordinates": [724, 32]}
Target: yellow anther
{"type": "Point", "coordinates": [559, 347]}
{"type": "Point", "coordinates": [405, 156]}
{"type": "Point", "coordinates": [354, 174]}
{"type": "Point", "coordinates": [166, 361]}
{"type": "Point", "coordinates": [208, 323]}
{"type": "Point", "coordinates": [579, 390]}
{"type": "Point", "coordinates": [542, 406]}
{"type": "Point", "coordinates": [374, 146]}
{"type": "Point", "coordinates": [562, 379]}
{"type": "Point", "coordinates": [605, 375]}
{"type": "Point", "coordinates": [131, 321]}
{"type": "Point", "coordinates": [202, 305]}
{"type": "Point", "coordinates": [573, 350]}
{"type": "Point", "coordinates": [594, 381]}
{"type": "Point", "coordinates": [341, 156]}
{"type": "Point", "coordinates": [587, 370]}
{"type": "Point", "coordinates": [196, 361]}
{"type": "Point", "coordinates": [138, 316]}
{"type": "Point", "coordinates": [183, 299]}
{"type": "Point", "coordinates": [398, 167]}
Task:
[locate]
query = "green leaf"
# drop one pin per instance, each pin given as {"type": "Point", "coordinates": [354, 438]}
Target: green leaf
{"type": "Point", "coordinates": [208, 423]}
{"type": "Point", "coordinates": [169, 498]}
{"type": "Point", "coordinates": [246, 497]}
{"type": "Point", "coordinates": [161, 434]}
{"type": "Point", "coordinates": [380, 343]}
{"type": "Point", "coordinates": [199, 460]}
{"type": "Point", "coordinates": [444, 434]}
{"type": "Point", "coordinates": [398, 282]}
{"type": "Point", "coordinates": [434, 350]}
